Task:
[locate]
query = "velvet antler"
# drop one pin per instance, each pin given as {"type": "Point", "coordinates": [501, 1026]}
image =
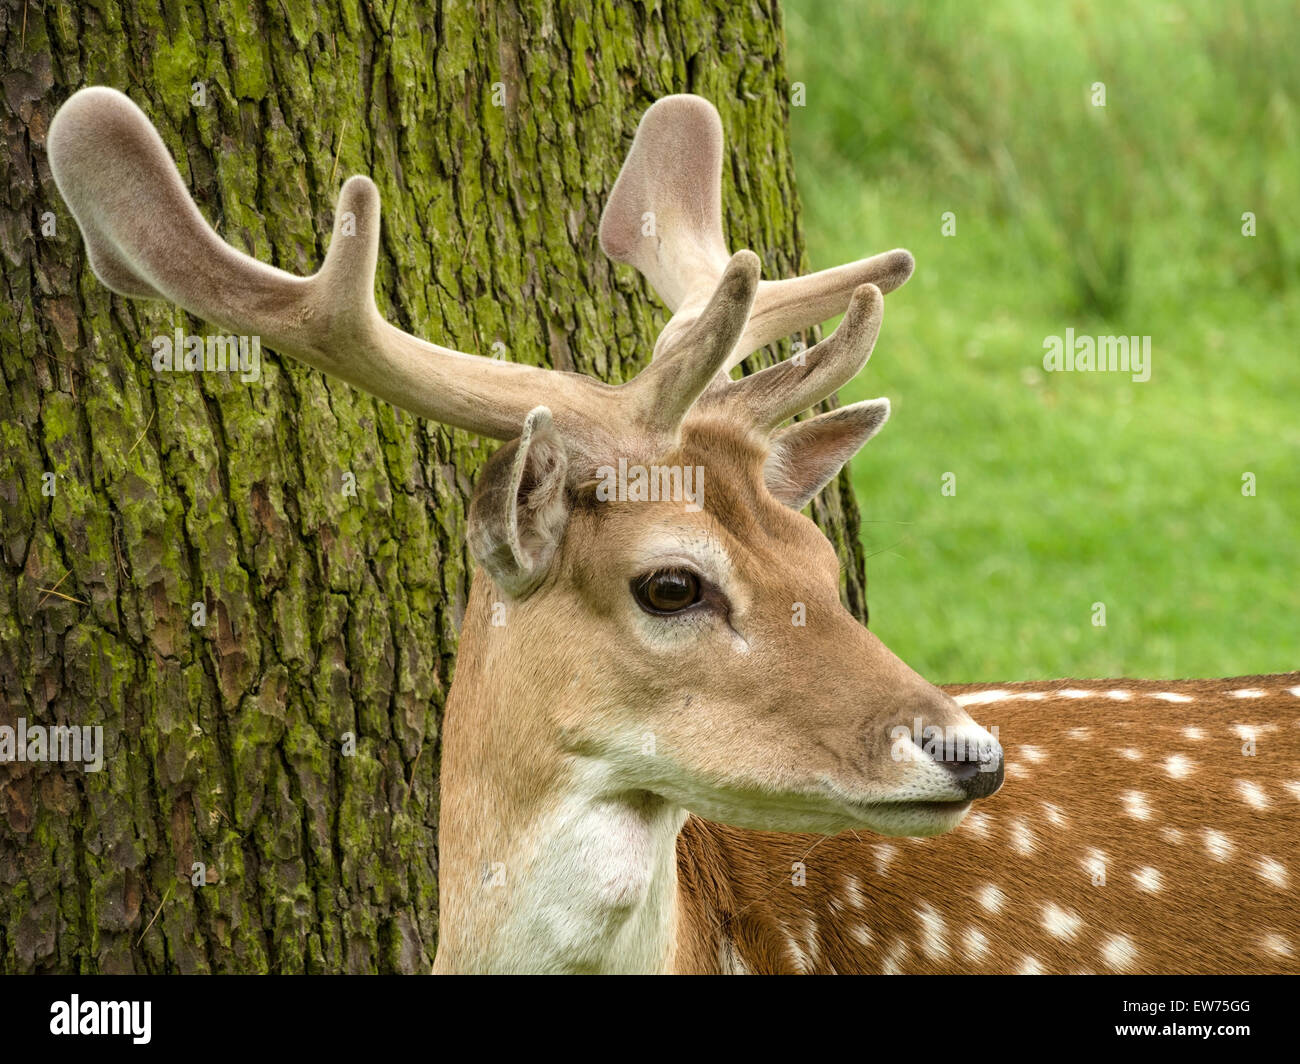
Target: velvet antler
{"type": "Point", "coordinates": [146, 239]}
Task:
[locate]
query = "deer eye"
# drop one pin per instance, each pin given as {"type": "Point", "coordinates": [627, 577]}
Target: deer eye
{"type": "Point", "coordinates": [666, 590]}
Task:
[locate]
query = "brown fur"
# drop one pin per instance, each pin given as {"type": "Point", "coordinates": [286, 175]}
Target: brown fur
{"type": "Point", "coordinates": [1209, 915]}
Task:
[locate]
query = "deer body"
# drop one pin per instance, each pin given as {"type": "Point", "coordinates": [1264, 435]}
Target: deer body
{"type": "Point", "coordinates": [1146, 827]}
{"type": "Point", "coordinates": [625, 660]}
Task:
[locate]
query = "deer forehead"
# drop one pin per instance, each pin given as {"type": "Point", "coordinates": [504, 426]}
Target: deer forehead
{"type": "Point", "coordinates": [732, 544]}
{"type": "Point", "coordinates": [727, 526]}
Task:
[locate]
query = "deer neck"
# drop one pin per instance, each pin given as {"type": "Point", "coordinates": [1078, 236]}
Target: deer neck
{"type": "Point", "coordinates": [545, 864]}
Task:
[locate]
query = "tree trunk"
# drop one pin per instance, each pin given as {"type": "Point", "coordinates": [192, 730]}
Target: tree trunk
{"type": "Point", "coordinates": [494, 132]}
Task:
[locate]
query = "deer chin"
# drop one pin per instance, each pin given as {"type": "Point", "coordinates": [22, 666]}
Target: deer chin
{"type": "Point", "coordinates": [911, 810]}
{"type": "Point", "coordinates": [806, 815]}
{"type": "Point", "coordinates": [912, 818]}
{"type": "Point", "coordinates": [826, 810]}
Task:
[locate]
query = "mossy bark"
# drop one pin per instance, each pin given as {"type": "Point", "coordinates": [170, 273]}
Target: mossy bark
{"type": "Point", "coordinates": [494, 132]}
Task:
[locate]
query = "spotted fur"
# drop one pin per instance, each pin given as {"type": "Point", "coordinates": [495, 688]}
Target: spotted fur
{"type": "Point", "coordinates": [1182, 859]}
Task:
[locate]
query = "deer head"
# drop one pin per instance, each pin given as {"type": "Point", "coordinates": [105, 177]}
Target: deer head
{"type": "Point", "coordinates": [652, 653]}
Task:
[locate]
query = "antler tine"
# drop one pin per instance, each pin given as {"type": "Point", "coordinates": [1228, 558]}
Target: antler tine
{"type": "Point", "coordinates": [785, 307]}
{"type": "Point", "coordinates": [672, 383]}
{"type": "Point", "coordinates": [664, 214]}
{"type": "Point", "coordinates": [146, 239]}
{"type": "Point", "coordinates": [777, 393]}
{"type": "Point", "coordinates": [664, 217]}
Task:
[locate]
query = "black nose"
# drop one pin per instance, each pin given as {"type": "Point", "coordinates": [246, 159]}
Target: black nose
{"type": "Point", "coordinates": [978, 772]}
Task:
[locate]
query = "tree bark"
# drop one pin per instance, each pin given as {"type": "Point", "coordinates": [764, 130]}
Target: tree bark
{"type": "Point", "coordinates": [327, 613]}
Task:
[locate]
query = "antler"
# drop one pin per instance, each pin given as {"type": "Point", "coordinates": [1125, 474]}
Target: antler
{"type": "Point", "coordinates": [146, 239]}
{"type": "Point", "coordinates": [664, 217]}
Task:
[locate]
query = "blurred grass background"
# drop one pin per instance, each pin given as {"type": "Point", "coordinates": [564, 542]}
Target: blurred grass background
{"type": "Point", "coordinates": [1072, 488]}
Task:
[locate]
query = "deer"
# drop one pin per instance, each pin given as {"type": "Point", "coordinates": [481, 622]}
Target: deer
{"type": "Point", "coordinates": [648, 765]}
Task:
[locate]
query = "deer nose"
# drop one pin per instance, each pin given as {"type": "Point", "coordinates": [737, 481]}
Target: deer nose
{"type": "Point", "coordinates": [943, 732]}
{"type": "Point", "coordinates": [978, 772]}
{"type": "Point", "coordinates": [972, 755]}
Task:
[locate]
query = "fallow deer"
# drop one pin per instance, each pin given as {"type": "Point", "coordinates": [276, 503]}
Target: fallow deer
{"type": "Point", "coordinates": [648, 673]}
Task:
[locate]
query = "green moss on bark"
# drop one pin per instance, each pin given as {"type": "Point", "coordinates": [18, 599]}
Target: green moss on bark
{"type": "Point", "coordinates": [326, 613]}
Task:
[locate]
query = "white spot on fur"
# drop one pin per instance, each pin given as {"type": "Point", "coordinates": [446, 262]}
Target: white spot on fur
{"type": "Point", "coordinates": [981, 698]}
{"type": "Point", "coordinates": [1054, 815]}
{"type": "Point", "coordinates": [1074, 692]}
{"type": "Point", "coordinates": [1148, 879]}
{"type": "Point", "coordinates": [862, 933]}
{"type": "Point", "coordinates": [884, 854]}
{"type": "Point", "coordinates": [1295, 691]}
{"type": "Point", "coordinates": [934, 933]}
{"type": "Point", "coordinates": [1030, 966]}
{"type": "Point", "coordinates": [807, 952]}
{"type": "Point", "coordinates": [797, 953]}
{"type": "Point", "coordinates": [1170, 696]}
{"type": "Point", "coordinates": [1032, 754]}
{"type": "Point", "coordinates": [1119, 696]}
{"type": "Point", "coordinates": [1129, 754]}
{"type": "Point", "coordinates": [1271, 871]}
{"type": "Point", "coordinates": [1252, 794]}
{"type": "Point", "coordinates": [1217, 845]}
{"type": "Point", "coordinates": [1079, 733]}
{"type": "Point", "coordinates": [1173, 836]}
{"type": "Point", "coordinates": [1195, 734]}
{"type": "Point", "coordinates": [991, 898]}
{"type": "Point", "coordinates": [1094, 863]}
{"type": "Point", "coordinates": [853, 892]}
{"type": "Point", "coordinates": [1135, 805]}
{"type": "Point", "coordinates": [893, 962]}
{"type": "Point", "coordinates": [1293, 786]}
{"type": "Point", "coordinates": [1277, 946]}
{"type": "Point", "coordinates": [1119, 953]}
{"type": "Point", "coordinates": [1179, 767]}
{"type": "Point", "coordinates": [977, 824]}
{"type": "Point", "coordinates": [1022, 839]}
{"type": "Point", "coordinates": [1247, 692]}
{"type": "Point", "coordinates": [1061, 923]}
{"type": "Point", "coordinates": [976, 944]}
{"type": "Point", "coordinates": [810, 937]}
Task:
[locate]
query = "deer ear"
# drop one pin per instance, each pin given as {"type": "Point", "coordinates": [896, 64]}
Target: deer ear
{"type": "Point", "coordinates": [520, 507]}
{"type": "Point", "coordinates": [806, 455]}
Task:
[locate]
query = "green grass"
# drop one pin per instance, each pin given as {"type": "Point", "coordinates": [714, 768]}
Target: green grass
{"type": "Point", "coordinates": [1072, 488]}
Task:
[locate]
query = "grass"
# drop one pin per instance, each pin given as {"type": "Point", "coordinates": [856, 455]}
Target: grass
{"type": "Point", "coordinates": [1072, 489]}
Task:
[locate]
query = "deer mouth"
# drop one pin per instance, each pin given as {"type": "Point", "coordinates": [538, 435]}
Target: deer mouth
{"type": "Point", "coordinates": [944, 806]}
